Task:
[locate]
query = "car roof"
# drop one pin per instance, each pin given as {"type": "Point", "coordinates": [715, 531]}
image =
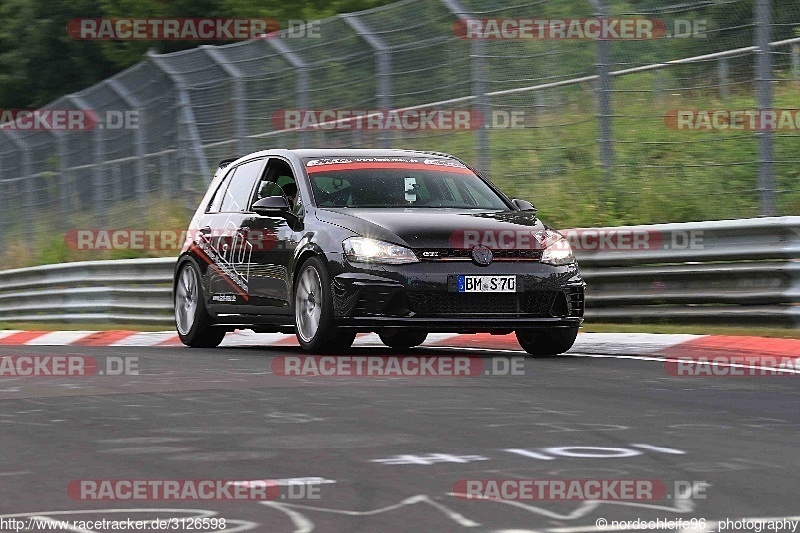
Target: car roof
{"type": "Point", "coordinates": [366, 152]}
{"type": "Point", "coordinates": [346, 152]}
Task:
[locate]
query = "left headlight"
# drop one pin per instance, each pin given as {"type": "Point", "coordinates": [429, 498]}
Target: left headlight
{"type": "Point", "coordinates": [365, 250]}
{"type": "Point", "coordinates": [557, 250]}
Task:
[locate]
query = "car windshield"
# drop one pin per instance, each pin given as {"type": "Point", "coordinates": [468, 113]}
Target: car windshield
{"type": "Point", "coordinates": [401, 182]}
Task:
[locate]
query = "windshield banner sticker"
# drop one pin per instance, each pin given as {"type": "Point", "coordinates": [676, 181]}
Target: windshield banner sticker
{"type": "Point", "coordinates": [391, 163]}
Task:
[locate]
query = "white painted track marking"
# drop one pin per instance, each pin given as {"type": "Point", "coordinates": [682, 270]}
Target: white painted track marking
{"type": "Point", "coordinates": [146, 338]}
{"type": "Point", "coordinates": [59, 338]}
{"type": "Point", "coordinates": [304, 525]}
{"type": "Point", "coordinates": [8, 332]}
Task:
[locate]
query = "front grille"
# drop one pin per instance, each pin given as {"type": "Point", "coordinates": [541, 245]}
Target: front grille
{"type": "Point", "coordinates": [517, 255]}
{"type": "Point", "coordinates": [377, 302]}
{"type": "Point", "coordinates": [457, 254]}
{"type": "Point", "coordinates": [369, 299]}
{"type": "Point", "coordinates": [535, 304]}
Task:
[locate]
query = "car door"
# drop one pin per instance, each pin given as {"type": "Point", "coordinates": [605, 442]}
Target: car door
{"type": "Point", "coordinates": [224, 246]}
{"type": "Point", "coordinates": [275, 239]}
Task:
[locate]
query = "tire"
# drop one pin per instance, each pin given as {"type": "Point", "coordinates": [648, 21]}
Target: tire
{"type": "Point", "coordinates": [546, 342]}
{"type": "Point", "coordinates": [191, 316]}
{"type": "Point", "coordinates": [402, 338]}
{"type": "Point", "coordinates": [313, 311]}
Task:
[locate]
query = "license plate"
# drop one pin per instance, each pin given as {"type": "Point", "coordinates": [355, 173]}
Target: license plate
{"type": "Point", "coordinates": [487, 284]}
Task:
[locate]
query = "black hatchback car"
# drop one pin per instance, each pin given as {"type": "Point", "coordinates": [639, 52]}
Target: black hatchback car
{"type": "Point", "coordinates": [329, 243]}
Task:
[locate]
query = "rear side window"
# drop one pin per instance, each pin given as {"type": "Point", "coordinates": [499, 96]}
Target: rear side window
{"type": "Point", "coordinates": [237, 196]}
{"type": "Point", "coordinates": [213, 207]}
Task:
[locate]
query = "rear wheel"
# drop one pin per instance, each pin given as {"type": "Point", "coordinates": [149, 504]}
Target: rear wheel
{"type": "Point", "coordinates": [313, 311]}
{"type": "Point", "coordinates": [402, 338]}
{"type": "Point", "coordinates": [191, 317]}
{"type": "Point", "coordinates": [546, 342]}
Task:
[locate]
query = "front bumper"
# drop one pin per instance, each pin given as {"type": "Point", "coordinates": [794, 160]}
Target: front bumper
{"type": "Point", "coordinates": [422, 296]}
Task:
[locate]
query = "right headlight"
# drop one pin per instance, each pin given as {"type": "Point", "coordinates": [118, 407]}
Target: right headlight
{"type": "Point", "coordinates": [557, 250]}
{"type": "Point", "coordinates": [365, 250]}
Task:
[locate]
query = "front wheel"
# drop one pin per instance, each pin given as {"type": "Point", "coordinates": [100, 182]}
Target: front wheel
{"type": "Point", "coordinates": [191, 317]}
{"type": "Point", "coordinates": [402, 338]}
{"type": "Point", "coordinates": [313, 311]}
{"type": "Point", "coordinates": [546, 342]}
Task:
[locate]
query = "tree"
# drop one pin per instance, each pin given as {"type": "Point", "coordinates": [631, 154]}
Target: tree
{"type": "Point", "coordinates": [40, 62]}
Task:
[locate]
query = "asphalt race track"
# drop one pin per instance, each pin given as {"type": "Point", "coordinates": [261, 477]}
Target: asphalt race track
{"type": "Point", "coordinates": [388, 452]}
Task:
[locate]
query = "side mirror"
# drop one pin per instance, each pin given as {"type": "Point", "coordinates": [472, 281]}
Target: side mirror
{"type": "Point", "coordinates": [272, 206]}
{"type": "Point", "coordinates": [523, 205]}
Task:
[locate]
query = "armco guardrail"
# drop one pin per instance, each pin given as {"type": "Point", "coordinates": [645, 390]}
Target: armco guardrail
{"type": "Point", "coordinates": [737, 272]}
{"type": "Point", "coordinates": [124, 291]}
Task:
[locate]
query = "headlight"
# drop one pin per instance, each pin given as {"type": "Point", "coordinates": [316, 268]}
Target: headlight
{"type": "Point", "coordinates": [557, 251]}
{"type": "Point", "coordinates": [364, 250]}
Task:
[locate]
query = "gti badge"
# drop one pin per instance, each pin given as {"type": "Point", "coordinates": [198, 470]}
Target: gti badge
{"type": "Point", "coordinates": [482, 255]}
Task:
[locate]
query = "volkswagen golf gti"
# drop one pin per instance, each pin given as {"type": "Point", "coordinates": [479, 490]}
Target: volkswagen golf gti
{"type": "Point", "coordinates": [329, 243]}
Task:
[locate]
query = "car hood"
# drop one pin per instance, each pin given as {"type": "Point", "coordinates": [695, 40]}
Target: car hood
{"type": "Point", "coordinates": [438, 228]}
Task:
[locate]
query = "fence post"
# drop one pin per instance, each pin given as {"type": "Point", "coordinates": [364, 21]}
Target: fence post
{"type": "Point", "coordinates": [99, 155]}
{"type": "Point", "coordinates": [3, 209]}
{"type": "Point", "coordinates": [796, 62]}
{"type": "Point", "coordinates": [65, 189]}
{"type": "Point", "coordinates": [482, 103]}
{"type": "Point", "coordinates": [28, 216]}
{"type": "Point", "coordinates": [139, 143]}
{"type": "Point", "coordinates": [659, 86]}
{"type": "Point", "coordinates": [604, 93]}
{"type": "Point", "coordinates": [165, 170]}
{"type": "Point", "coordinates": [187, 119]}
{"type": "Point", "coordinates": [479, 89]}
{"type": "Point", "coordinates": [764, 75]}
{"type": "Point", "coordinates": [723, 71]}
{"type": "Point", "coordinates": [383, 69]}
{"type": "Point", "coordinates": [301, 87]}
{"type": "Point", "coordinates": [239, 98]}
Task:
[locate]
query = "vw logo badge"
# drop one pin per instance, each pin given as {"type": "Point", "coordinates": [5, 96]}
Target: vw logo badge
{"type": "Point", "coordinates": [482, 255]}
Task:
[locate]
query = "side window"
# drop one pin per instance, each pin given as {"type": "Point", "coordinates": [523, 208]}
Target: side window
{"type": "Point", "coordinates": [216, 202]}
{"type": "Point", "coordinates": [268, 188]}
{"type": "Point", "coordinates": [278, 180]}
{"type": "Point", "coordinates": [237, 196]}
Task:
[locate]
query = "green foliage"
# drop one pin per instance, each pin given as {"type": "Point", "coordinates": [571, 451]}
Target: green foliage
{"type": "Point", "coordinates": [53, 251]}
{"type": "Point", "coordinates": [39, 61]}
